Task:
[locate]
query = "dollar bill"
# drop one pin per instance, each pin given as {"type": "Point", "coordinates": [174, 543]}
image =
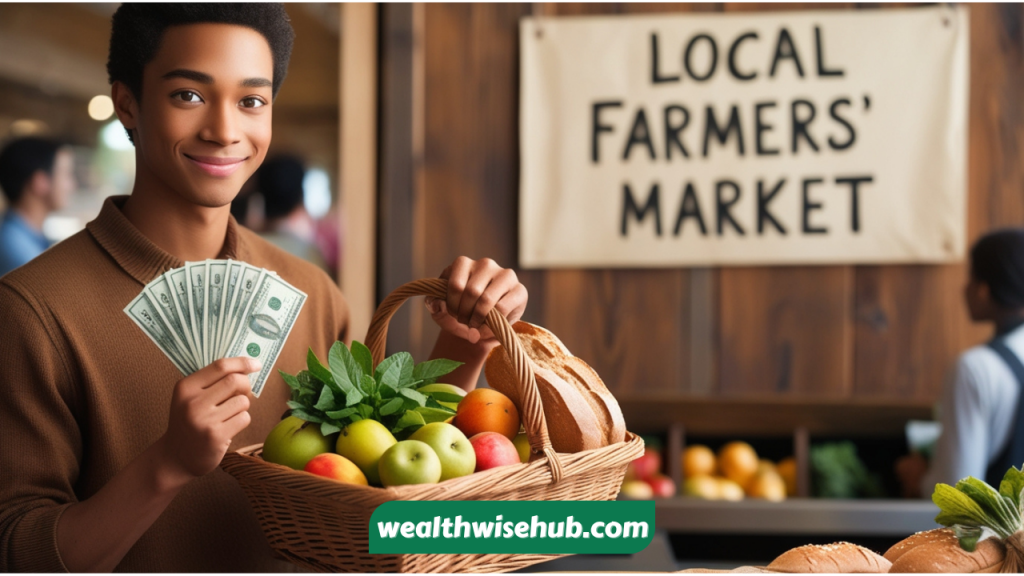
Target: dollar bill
{"type": "Point", "coordinates": [266, 323]}
{"type": "Point", "coordinates": [178, 279]}
{"type": "Point", "coordinates": [217, 270]}
{"type": "Point", "coordinates": [196, 272]}
{"type": "Point", "coordinates": [160, 294]}
{"type": "Point", "coordinates": [249, 279]}
{"type": "Point", "coordinates": [230, 283]}
{"type": "Point", "coordinates": [145, 315]}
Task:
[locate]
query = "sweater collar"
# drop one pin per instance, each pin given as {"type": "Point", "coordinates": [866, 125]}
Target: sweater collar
{"type": "Point", "coordinates": [136, 254]}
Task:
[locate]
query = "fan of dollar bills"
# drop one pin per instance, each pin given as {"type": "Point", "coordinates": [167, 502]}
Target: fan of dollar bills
{"type": "Point", "coordinates": [216, 309]}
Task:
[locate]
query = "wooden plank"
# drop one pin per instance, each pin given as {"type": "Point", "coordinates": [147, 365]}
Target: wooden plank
{"type": "Point", "coordinates": [397, 171]}
{"type": "Point", "coordinates": [631, 327]}
{"type": "Point", "coordinates": [908, 329]}
{"type": "Point", "coordinates": [768, 415]}
{"type": "Point", "coordinates": [786, 330]}
{"type": "Point", "coordinates": [358, 159]}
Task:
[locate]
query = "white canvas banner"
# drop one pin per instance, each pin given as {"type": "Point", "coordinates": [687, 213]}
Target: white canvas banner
{"type": "Point", "coordinates": [833, 137]}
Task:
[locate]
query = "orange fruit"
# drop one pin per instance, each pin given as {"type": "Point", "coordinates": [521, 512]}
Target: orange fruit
{"type": "Point", "coordinates": [768, 485]}
{"type": "Point", "coordinates": [729, 490]}
{"type": "Point", "coordinates": [487, 410]}
{"type": "Point", "coordinates": [698, 460]}
{"type": "Point", "coordinates": [738, 462]}
{"type": "Point", "coordinates": [787, 469]}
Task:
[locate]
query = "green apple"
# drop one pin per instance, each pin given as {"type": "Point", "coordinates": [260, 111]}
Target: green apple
{"type": "Point", "coordinates": [294, 442]}
{"type": "Point", "coordinates": [409, 462]}
{"type": "Point", "coordinates": [451, 446]}
{"type": "Point", "coordinates": [363, 442]}
{"type": "Point", "coordinates": [522, 444]}
{"type": "Point", "coordinates": [447, 394]}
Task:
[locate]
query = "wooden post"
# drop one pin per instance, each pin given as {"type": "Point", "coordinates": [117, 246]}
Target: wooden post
{"type": "Point", "coordinates": [802, 454]}
{"type": "Point", "coordinates": [674, 453]}
{"type": "Point", "coordinates": [358, 163]}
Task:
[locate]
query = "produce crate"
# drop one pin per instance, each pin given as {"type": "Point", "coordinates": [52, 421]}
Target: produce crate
{"type": "Point", "coordinates": [323, 525]}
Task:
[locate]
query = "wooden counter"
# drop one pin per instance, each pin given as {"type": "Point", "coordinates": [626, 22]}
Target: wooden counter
{"type": "Point", "coordinates": [802, 516]}
{"type": "Point", "coordinates": [771, 416]}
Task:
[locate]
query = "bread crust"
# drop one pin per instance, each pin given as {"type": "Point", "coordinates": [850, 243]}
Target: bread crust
{"type": "Point", "coordinates": [546, 350]}
{"type": "Point", "coordinates": [939, 551]}
{"type": "Point", "coordinates": [840, 557]}
{"type": "Point", "coordinates": [572, 424]}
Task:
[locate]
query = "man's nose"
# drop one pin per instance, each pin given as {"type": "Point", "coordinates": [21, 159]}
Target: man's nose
{"type": "Point", "coordinates": [221, 124]}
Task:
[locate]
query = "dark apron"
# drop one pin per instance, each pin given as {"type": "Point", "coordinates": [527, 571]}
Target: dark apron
{"type": "Point", "coordinates": [1013, 453]}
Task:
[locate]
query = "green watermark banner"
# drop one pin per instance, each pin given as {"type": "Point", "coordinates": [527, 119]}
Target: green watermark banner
{"type": "Point", "coordinates": [511, 527]}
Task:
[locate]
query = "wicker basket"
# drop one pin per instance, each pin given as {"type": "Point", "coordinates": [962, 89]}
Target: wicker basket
{"type": "Point", "coordinates": [323, 525]}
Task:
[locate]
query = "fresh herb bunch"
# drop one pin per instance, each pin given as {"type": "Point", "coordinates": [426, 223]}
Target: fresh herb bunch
{"type": "Point", "coordinates": [349, 389]}
{"type": "Point", "coordinates": [973, 505]}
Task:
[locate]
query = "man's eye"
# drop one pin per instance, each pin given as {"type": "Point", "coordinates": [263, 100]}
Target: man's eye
{"type": "Point", "coordinates": [252, 102]}
{"type": "Point", "coordinates": [187, 96]}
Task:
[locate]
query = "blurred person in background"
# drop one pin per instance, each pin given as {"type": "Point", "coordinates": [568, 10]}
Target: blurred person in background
{"type": "Point", "coordinates": [37, 178]}
{"type": "Point", "coordinates": [287, 223]}
{"type": "Point", "coordinates": [980, 410]}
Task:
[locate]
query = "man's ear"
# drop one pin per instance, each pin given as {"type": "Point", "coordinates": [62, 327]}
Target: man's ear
{"type": "Point", "coordinates": [125, 105]}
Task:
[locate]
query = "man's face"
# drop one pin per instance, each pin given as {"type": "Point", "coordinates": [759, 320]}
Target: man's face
{"type": "Point", "coordinates": [203, 123]}
{"type": "Point", "coordinates": [62, 182]}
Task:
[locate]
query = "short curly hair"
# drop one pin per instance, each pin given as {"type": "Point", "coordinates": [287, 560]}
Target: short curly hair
{"type": "Point", "coordinates": [138, 29]}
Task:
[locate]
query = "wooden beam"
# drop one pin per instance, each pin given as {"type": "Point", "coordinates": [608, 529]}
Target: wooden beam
{"type": "Point", "coordinates": [358, 161]}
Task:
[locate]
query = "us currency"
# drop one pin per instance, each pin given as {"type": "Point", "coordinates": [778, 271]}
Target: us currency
{"type": "Point", "coordinates": [144, 313]}
{"type": "Point", "coordinates": [160, 294]}
{"type": "Point", "coordinates": [196, 272]}
{"type": "Point", "coordinates": [230, 283]}
{"type": "Point", "coordinates": [178, 279]}
{"type": "Point", "coordinates": [249, 279]}
{"type": "Point", "coordinates": [215, 286]}
{"type": "Point", "coordinates": [265, 325]}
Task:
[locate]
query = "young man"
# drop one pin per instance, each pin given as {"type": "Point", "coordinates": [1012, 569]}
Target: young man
{"type": "Point", "coordinates": [37, 177]}
{"type": "Point", "coordinates": [982, 419]}
{"type": "Point", "coordinates": [108, 457]}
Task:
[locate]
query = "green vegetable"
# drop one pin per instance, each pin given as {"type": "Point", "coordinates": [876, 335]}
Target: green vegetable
{"type": "Point", "coordinates": [837, 472]}
{"type": "Point", "coordinates": [972, 505]}
{"type": "Point", "coordinates": [348, 389]}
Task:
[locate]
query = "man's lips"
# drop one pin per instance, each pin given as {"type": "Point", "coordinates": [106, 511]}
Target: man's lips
{"type": "Point", "coordinates": [216, 165]}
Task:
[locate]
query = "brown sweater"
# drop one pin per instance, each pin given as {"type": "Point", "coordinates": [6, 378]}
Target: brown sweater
{"type": "Point", "coordinates": [83, 391]}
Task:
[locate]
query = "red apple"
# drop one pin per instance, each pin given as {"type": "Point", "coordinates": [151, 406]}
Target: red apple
{"type": "Point", "coordinates": [493, 450]}
{"type": "Point", "coordinates": [662, 485]}
{"type": "Point", "coordinates": [647, 465]}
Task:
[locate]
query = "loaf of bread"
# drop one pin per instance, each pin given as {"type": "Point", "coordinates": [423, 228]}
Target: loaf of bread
{"type": "Point", "coordinates": [939, 551]}
{"type": "Point", "coordinates": [581, 413]}
{"type": "Point", "coordinates": [841, 557]}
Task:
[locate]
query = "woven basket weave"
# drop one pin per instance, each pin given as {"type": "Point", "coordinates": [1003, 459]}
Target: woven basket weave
{"type": "Point", "coordinates": [323, 525]}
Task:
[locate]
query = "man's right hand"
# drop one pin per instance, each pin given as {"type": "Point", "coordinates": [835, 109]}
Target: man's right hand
{"type": "Point", "coordinates": [208, 409]}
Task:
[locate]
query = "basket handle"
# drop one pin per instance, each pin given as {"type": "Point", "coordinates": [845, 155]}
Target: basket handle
{"type": "Point", "coordinates": [531, 409]}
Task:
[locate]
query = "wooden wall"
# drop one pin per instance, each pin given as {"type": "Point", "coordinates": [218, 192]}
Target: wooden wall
{"type": "Point", "coordinates": [449, 186]}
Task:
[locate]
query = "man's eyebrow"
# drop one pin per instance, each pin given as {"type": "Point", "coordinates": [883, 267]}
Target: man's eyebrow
{"type": "Point", "coordinates": [256, 83]}
{"type": "Point", "coordinates": [189, 75]}
{"type": "Point", "coordinates": [204, 78]}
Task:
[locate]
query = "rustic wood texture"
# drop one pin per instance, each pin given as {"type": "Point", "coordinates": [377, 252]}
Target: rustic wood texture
{"type": "Point", "coordinates": [768, 415]}
{"type": "Point", "coordinates": [887, 333]}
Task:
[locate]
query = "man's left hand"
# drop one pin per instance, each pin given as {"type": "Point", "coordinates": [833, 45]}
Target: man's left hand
{"type": "Point", "coordinates": [474, 288]}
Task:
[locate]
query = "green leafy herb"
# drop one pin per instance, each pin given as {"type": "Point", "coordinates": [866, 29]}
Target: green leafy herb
{"type": "Point", "coordinates": [348, 388]}
{"type": "Point", "coordinates": [972, 504]}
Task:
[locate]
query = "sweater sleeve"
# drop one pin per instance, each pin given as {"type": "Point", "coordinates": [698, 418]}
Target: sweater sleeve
{"type": "Point", "coordinates": [40, 440]}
